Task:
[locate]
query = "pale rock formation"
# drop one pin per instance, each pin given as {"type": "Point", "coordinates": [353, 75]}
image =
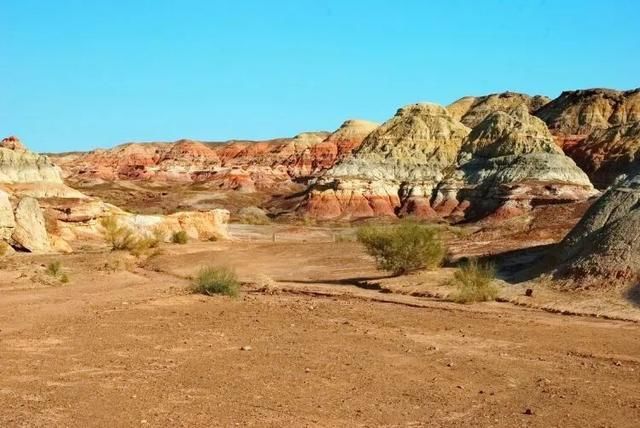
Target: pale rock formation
{"type": "Point", "coordinates": [30, 232]}
{"type": "Point", "coordinates": [473, 110]}
{"type": "Point", "coordinates": [7, 219]}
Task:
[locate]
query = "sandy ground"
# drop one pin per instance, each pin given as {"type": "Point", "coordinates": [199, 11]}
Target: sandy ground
{"type": "Point", "coordinates": [123, 344]}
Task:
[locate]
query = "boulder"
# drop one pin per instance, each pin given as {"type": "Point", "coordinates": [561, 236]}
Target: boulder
{"type": "Point", "coordinates": [30, 232]}
{"type": "Point", "coordinates": [7, 219]}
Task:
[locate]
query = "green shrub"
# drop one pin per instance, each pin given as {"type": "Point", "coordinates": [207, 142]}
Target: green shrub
{"type": "Point", "coordinates": [475, 282]}
{"type": "Point", "coordinates": [118, 237]}
{"type": "Point", "coordinates": [216, 280]}
{"type": "Point", "coordinates": [179, 237]}
{"type": "Point", "coordinates": [54, 269]}
{"type": "Point", "coordinates": [403, 248]}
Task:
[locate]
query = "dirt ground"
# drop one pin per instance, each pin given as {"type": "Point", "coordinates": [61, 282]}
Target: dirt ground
{"type": "Point", "coordinates": [123, 344]}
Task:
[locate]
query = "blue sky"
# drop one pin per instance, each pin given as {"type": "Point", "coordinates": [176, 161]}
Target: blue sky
{"type": "Point", "coordinates": [78, 74]}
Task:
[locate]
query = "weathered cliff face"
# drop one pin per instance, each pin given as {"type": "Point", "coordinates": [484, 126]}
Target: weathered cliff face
{"type": "Point", "coordinates": [398, 165]}
{"type": "Point", "coordinates": [510, 162]}
{"type": "Point", "coordinates": [606, 154]}
{"type": "Point", "coordinates": [578, 113]}
{"type": "Point", "coordinates": [603, 250]}
{"type": "Point", "coordinates": [473, 110]}
{"type": "Point", "coordinates": [39, 213]}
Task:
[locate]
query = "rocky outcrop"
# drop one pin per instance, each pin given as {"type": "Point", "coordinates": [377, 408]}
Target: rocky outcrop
{"type": "Point", "coordinates": [39, 213]}
{"type": "Point", "coordinates": [204, 226]}
{"type": "Point", "coordinates": [30, 232]}
{"type": "Point", "coordinates": [507, 164]}
{"type": "Point", "coordinates": [603, 249]}
{"type": "Point", "coordinates": [473, 110]}
{"type": "Point", "coordinates": [397, 167]}
{"type": "Point", "coordinates": [606, 154]}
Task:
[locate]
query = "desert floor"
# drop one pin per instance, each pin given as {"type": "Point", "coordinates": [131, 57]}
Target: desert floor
{"type": "Point", "coordinates": [325, 344]}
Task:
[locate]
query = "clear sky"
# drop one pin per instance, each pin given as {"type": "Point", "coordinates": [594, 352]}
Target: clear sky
{"type": "Point", "coordinates": [78, 74]}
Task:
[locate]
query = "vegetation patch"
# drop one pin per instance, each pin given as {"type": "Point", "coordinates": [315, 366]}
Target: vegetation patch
{"type": "Point", "coordinates": [180, 237]}
{"type": "Point", "coordinates": [475, 283]}
{"type": "Point", "coordinates": [212, 280]}
{"type": "Point", "coordinates": [403, 248]}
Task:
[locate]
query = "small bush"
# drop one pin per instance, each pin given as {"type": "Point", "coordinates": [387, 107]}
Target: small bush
{"type": "Point", "coordinates": [403, 248]}
{"type": "Point", "coordinates": [159, 234]}
{"type": "Point", "coordinates": [118, 237]}
{"type": "Point", "coordinates": [180, 237]}
{"type": "Point", "coordinates": [475, 283]}
{"type": "Point", "coordinates": [216, 280]}
{"type": "Point", "coordinates": [54, 269]}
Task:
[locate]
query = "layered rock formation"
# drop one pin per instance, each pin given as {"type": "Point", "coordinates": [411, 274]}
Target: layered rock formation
{"type": "Point", "coordinates": [424, 163]}
{"type": "Point", "coordinates": [246, 166]}
{"type": "Point", "coordinates": [397, 167]}
{"type": "Point", "coordinates": [473, 110]}
{"type": "Point", "coordinates": [508, 163]}
{"type": "Point", "coordinates": [578, 113]}
{"type": "Point", "coordinates": [603, 250]}
{"type": "Point", "coordinates": [39, 213]}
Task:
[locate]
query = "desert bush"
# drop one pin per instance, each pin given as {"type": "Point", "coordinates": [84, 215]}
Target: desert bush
{"type": "Point", "coordinates": [212, 280]}
{"type": "Point", "coordinates": [180, 237]}
{"type": "Point", "coordinates": [159, 234]}
{"type": "Point", "coordinates": [474, 281]}
{"type": "Point", "coordinates": [403, 248]}
{"type": "Point", "coordinates": [117, 236]}
{"type": "Point", "coordinates": [54, 268]}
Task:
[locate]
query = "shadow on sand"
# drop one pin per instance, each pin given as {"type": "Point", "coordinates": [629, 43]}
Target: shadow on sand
{"type": "Point", "coordinates": [367, 283]}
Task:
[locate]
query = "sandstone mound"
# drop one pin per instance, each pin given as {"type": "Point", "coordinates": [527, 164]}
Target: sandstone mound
{"type": "Point", "coordinates": [399, 163]}
{"type": "Point", "coordinates": [607, 153]}
{"type": "Point", "coordinates": [473, 110]}
{"type": "Point", "coordinates": [603, 250]}
{"type": "Point", "coordinates": [509, 162]}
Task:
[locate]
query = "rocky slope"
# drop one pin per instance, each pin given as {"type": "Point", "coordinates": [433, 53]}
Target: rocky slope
{"type": "Point", "coordinates": [508, 163]}
{"type": "Point", "coordinates": [39, 213]}
{"type": "Point", "coordinates": [473, 110]}
{"type": "Point", "coordinates": [582, 116]}
{"type": "Point", "coordinates": [603, 250]}
{"type": "Point", "coordinates": [246, 166]}
{"type": "Point", "coordinates": [397, 167]}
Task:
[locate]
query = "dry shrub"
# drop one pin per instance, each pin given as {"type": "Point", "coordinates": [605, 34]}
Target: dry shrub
{"type": "Point", "coordinates": [403, 248]}
{"type": "Point", "coordinates": [121, 237]}
{"type": "Point", "coordinates": [216, 280]}
{"type": "Point", "coordinates": [475, 283]}
{"type": "Point", "coordinates": [180, 237]}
